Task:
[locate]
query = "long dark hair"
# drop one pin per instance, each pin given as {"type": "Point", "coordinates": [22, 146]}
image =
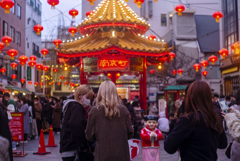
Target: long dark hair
{"type": "Point", "coordinates": [199, 99]}
{"type": "Point", "coordinates": [6, 94]}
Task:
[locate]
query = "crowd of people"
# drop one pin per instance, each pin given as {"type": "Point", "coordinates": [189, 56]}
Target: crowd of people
{"type": "Point", "coordinates": [99, 121]}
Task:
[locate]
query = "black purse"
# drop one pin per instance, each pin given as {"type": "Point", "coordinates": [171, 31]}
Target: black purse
{"type": "Point", "coordinates": [228, 151]}
{"type": "Point", "coordinates": [85, 155]}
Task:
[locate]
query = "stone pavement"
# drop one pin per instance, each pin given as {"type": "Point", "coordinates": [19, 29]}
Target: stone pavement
{"type": "Point", "coordinates": [32, 146]}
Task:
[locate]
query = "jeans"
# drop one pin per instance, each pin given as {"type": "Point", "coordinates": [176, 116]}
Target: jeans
{"type": "Point", "coordinates": [14, 144]}
{"type": "Point", "coordinates": [69, 159]}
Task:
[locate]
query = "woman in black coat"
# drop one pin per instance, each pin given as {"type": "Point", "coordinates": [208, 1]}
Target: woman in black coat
{"type": "Point", "coordinates": [199, 132]}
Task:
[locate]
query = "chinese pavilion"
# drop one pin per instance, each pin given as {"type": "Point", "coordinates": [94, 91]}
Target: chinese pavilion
{"type": "Point", "coordinates": [114, 44]}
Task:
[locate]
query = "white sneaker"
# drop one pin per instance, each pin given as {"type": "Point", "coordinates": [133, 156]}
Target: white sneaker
{"type": "Point", "coordinates": [14, 149]}
{"type": "Point", "coordinates": [26, 141]}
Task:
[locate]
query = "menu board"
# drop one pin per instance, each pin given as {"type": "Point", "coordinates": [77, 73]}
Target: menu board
{"type": "Point", "coordinates": [16, 126]}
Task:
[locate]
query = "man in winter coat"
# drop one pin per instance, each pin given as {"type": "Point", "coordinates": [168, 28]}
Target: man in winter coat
{"type": "Point", "coordinates": [38, 113]}
{"type": "Point", "coordinates": [56, 116]}
{"type": "Point", "coordinates": [163, 123]}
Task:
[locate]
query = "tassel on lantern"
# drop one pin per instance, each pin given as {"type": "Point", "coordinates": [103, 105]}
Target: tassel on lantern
{"type": "Point", "coordinates": [155, 1]}
{"type": "Point", "coordinates": [72, 34]}
{"type": "Point", "coordinates": [139, 5]}
{"type": "Point", "coordinates": [7, 10]}
{"type": "Point", "coordinates": [126, 1]}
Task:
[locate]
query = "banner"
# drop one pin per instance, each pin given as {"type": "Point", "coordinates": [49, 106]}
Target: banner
{"type": "Point", "coordinates": [16, 126]}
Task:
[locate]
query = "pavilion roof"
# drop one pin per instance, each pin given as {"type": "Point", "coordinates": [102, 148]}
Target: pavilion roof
{"type": "Point", "coordinates": [113, 13]}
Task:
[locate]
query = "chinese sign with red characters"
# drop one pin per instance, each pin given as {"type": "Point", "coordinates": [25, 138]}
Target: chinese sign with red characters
{"type": "Point", "coordinates": [113, 63]}
{"type": "Point", "coordinates": [16, 126]}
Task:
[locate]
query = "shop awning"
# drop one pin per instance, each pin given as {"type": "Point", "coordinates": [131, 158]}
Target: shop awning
{"type": "Point", "coordinates": [23, 90]}
{"type": "Point", "coordinates": [175, 88]}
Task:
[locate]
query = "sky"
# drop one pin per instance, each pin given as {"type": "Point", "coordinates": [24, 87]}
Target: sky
{"type": "Point", "coordinates": [50, 17]}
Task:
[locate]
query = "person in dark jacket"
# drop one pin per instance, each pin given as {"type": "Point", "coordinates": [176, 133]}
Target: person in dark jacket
{"type": "Point", "coordinates": [199, 132]}
{"type": "Point", "coordinates": [172, 122]}
{"type": "Point", "coordinates": [46, 114]}
{"type": "Point", "coordinates": [74, 124]}
{"type": "Point", "coordinates": [56, 116]}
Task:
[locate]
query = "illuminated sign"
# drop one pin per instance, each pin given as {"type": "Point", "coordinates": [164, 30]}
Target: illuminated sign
{"type": "Point", "coordinates": [113, 63]}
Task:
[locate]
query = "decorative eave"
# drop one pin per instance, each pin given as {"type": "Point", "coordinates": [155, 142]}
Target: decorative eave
{"type": "Point", "coordinates": [113, 13]}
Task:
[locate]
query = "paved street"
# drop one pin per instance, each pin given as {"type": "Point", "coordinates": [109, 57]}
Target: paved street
{"type": "Point", "coordinates": [32, 146]}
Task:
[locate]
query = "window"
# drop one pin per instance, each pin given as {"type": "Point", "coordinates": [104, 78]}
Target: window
{"type": "Point", "coordinates": [13, 8]}
{"type": "Point", "coordinates": [19, 11]}
{"type": "Point", "coordinates": [12, 33]}
{"type": "Point", "coordinates": [163, 20]}
{"type": "Point", "coordinates": [150, 8]}
{"type": "Point", "coordinates": [18, 38]}
{"type": "Point", "coordinates": [33, 48]}
{"type": "Point", "coordinates": [28, 45]}
{"type": "Point", "coordinates": [5, 28]}
{"type": "Point", "coordinates": [57, 87]}
{"type": "Point", "coordinates": [34, 4]}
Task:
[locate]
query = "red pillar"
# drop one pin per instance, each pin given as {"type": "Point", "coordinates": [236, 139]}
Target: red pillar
{"type": "Point", "coordinates": [114, 77]}
{"type": "Point", "coordinates": [140, 90]}
{"type": "Point", "coordinates": [82, 71]}
{"type": "Point", "coordinates": [144, 84]}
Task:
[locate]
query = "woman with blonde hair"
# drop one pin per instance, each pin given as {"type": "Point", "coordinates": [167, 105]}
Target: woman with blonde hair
{"type": "Point", "coordinates": [74, 124]}
{"type": "Point", "coordinates": [109, 125]}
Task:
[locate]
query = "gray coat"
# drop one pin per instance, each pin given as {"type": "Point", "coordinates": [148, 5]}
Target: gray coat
{"type": "Point", "coordinates": [25, 110]}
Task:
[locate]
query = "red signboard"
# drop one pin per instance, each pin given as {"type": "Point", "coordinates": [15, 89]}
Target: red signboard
{"type": "Point", "coordinates": [16, 126]}
{"type": "Point", "coordinates": [113, 63]}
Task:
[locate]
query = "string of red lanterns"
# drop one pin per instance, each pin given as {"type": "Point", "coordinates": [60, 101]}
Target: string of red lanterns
{"type": "Point", "coordinates": [34, 58]}
{"type": "Point", "coordinates": [1, 46]}
{"type": "Point", "coordinates": [174, 72]}
{"type": "Point", "coordinates": [204, 63]}
{"type": "Point", "coordinates": [45, 68]}
{"type": "Point", "coordinates": [180, 71]}
{"type": "Point", "coordinates": [172, 55]}
{"type": "Point", "coordinates": [204, 73]}
{"type": "Point", "coordinates": [32, 63]}
{"type": "Point", "coordinates": [30, 82]}
{"type": "Point", "coordinates": [14, 76]}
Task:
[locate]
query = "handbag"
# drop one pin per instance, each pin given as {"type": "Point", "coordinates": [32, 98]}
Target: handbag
{"type": "Point", "coordinates": [228, 151]}
{"type": "Point", "coordinates": [85, 155]}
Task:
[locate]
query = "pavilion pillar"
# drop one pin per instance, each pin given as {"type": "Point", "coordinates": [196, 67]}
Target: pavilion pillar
{"type": "Point", "coordinates": [144, 84]}
{"type": "Point", "coordinates": [114, 77]}
{"type": "Point", "coordinates": [141, 90]}
{"type": "Point", "coordinates": [82, 71]}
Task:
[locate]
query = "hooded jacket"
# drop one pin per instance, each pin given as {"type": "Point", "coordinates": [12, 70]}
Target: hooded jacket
{"type": "Point", "coordinates": [163, 123]}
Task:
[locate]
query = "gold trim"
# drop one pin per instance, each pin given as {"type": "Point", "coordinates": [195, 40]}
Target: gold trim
{"type": "Point", "coordinates": [230, 70]}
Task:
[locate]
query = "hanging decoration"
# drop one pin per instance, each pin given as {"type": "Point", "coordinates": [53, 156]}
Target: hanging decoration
{"type": "Point", "coordinates": [109, 75]}
{"type": "Point", "coordinates": [34, 58]}
{"type": "Point", "coordinates": [197, 67]}
{"type": "Point", "coordinates": [6, 40]}
{"type": "Point", "coordinates": [38, 28]}
{"type": "Point", "coordinates": [152, 71]}
{"type": "Point", "coordinates": [204, 63]}
{"type": "Point", "coordinates": [160, 66]}
{"type": "Point", "coordinates": [89, 13]}
{"type": "Point", "coordinates": [22, 81]}
{"type": "Point", "coordinates": [23, 59]}
{"type": "Point", "coordinates": [39, 66]}
{"type": "Point", "coordinates": [73, 13]}
{"type": "Point", "coordinates": [12, 53]}
{"type": "Point", "coordinates": [172, 55]}
{"type": "Point", "coordinates": [180, 8]}
{"type": "Point", "coordinates": [236, 47]}
{"type": "Point", "coordinates": [35, 84]}
{"type": "Point", "coordinates": [72, 84]}
{"type": "Point", "coordinates": [3, 70]}
{"type": "Point", "coordinates": [1, 46]}
{"type": "Point", "coordinates": [14, 65]}
{"type": "Point", "coordinates": [152, 37]}
{"type": "Point", "coordinates": [59, 83]}
{"type": "Point", "coordinates": [174, 72]}
{"type": "Point", "coordinates": [55, 70]}
{"type": "Point", "coordinates": [217, 15]}
{"type": "Point", "coordinates": [7, 5]}
{"type": "Point", "coordinates": [30, 82]}
{"type": "Point", "coordinates": [14, 76]}
{"type": "Point", "coordinates": [72, 30]}
{"type": "Point", "coordinates": [62, 77]}
{"type": "Point", "coordinates": [41, 84]}
{"type": "Point", "coordinates": [204, 73]}
{"type": "Point", "coordinates": [45, 68]}
{"type": "Point", "coordinates": [51, 83]}
{"type": "Point", "coordinates": [32, 63]}
{"type": "Point", "coordinates": [57, 42]}
{"type": "Point", "coordinates": [223, 52]}
{"type": "Point", "coordinates": [53, 3]}
{"type": "Point", "coordinates": [180, 71]}
{"type": "Point", "coordinates": [213, 59]}
{"type": "Point", "coordinates": [44, 52]}
{"type": "Point", "coordinates": [91, 2]}
{"type": "Point", "coordinates": [118, 75]}
{"type": "Point", "coordinates": [138, 2]}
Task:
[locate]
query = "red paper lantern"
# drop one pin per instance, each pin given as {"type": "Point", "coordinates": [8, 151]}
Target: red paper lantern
{"type": "Point", "coordinates": [236, 47]}
{"type": "Point", "coordinates": [174, 72]}
{"type": "Point", "coordinates": [197, 67]}
{"type": "Point", "coordinates": [152, 37]}
{"type": "Point", "coordinates": [22, 63]}
{"type": "Point", "coordinates": [204, 73]}
{"type": "Point", "coordinates": [180, 71]}
{"type": "Point", "coordinates": [66, 83]}
{"type": "Point", "coordinates": [55, 70]}
{"type": "Point", "coordinates": [223, 52]}
{"type": "Point", "coordinates": [89, 13]}
{"type": "Point", "coordinates": [217, 15]}
{"type": "Point", "coordinates": [45, 68]}
{"type": "Point", "coordinates": [62, 77]}
{"type": "Point", "coordinates": [118, 75]}
{"type": "Point", "coordinates": [59, 83]}
{"type": "Point", "coordinates": [172, 55]}
{"type": "Point", "coordinates": [12, 53]}
{"type": "Point", "coordinates": [204, 63]}
{"type": "Point", "coordinates": [53, 3]}
{"type": "Point", "coordinates": [57, 42]}
{"type": "Point", "coordinates": [6, 40]}
{"type": "Point", "coordinates": [180, 8]}
{"type": "Point", "coordinates": [152, 71]}
{"type": "Point", "coordinates": [35, 84]}
{"type": "Point", "coordinates": [22, 81]}
{"type": "Point", "coordinates": [51, 83]}
{"type": "Point", "coordinates": [32, 63]}
{"type": "Point", "coordinates": [41, 83]}
{"type": "Point", "coordinates": [39, 66]}
{"type": "Point", "coordinates": [1, 46]}
{"type": "Point", "coordinates": [3, 70]}
{"type": "Point", "coordinates": [72, 30]}
{"type": "Point", "coordinates": [13, 65]}
{"type": "Point", "coordinates": [23, 59]}
{"type": "Point", "coordinates": [34, 58]}
{"type": "Point", "coordinates": [109, 75]}
{"type": "Point", "coordinates": [73, 13]}
{"type": "Point", "coordinates": [213, 59]}
{"type": "Point", "coordinates": [38, 28]}
{"type": "Point", "coordinates": [30, 82]}
{"type": "Point", "coordinates": [44, 52]}
{"type": "Point", "coordinates": [139, 2]}
{"type": "Point", "coordinates": [7, 4]}
{"type": "Point", "coordinates": [14, 76]}
{"type": "Point", "coordinates": [91, 2]}
{"type": "Point", "coordinates": [72, 84]}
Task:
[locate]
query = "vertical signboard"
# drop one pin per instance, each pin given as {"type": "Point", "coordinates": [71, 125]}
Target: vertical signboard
{"type": "Point", "coordinates": [16, 126]}
{"type": "Point", "coordinates": [29, 73]}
